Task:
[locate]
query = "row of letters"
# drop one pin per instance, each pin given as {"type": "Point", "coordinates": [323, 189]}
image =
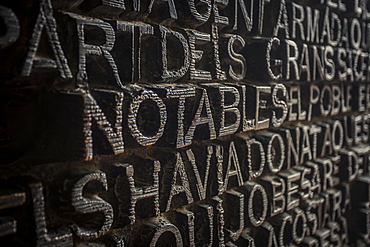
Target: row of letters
{"type": "Point", "coordinates": [176, 116]}
{"type": "Point", "coordinates": [122, 47]}
{"type": "Point", "coordinates": [287, 204]}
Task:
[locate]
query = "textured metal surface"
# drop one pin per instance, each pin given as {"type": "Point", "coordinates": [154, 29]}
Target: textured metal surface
{"type": "Point", "coordinates": [185, 123]}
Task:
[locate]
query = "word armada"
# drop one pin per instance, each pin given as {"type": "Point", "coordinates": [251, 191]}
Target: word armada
{"type": "Point", "coordinates": [190, 123]}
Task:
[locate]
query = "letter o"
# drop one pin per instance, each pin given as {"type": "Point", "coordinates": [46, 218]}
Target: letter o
{"type": "Point", "coordinates": [299, 215]}
{"type": "Point", "coordinates": [355, 26]}
{"type": "Point", "coordinates": [133, 113]}
{"type": "Point", "coordinates": [251, 214]}
{"type": "Point", "coordinates": [325, 112]}
{"type": "Point", "coordinates": [275, 168]}
{"type": "Point", "coordinates": [201, 18]}
{"type": "Point", "coordinates": [337, 126]}
{"type": "Point", "coordinates": [12, 27]}
{"type": "Point", "coordinates": [167, 228]}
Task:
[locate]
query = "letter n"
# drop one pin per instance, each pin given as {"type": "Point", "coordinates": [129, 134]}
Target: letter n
{"type": "Point", "coordinates": [94, 115]}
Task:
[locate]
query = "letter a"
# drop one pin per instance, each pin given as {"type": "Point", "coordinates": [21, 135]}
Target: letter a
{"type": "Point", "coordinates": [47, 19]}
